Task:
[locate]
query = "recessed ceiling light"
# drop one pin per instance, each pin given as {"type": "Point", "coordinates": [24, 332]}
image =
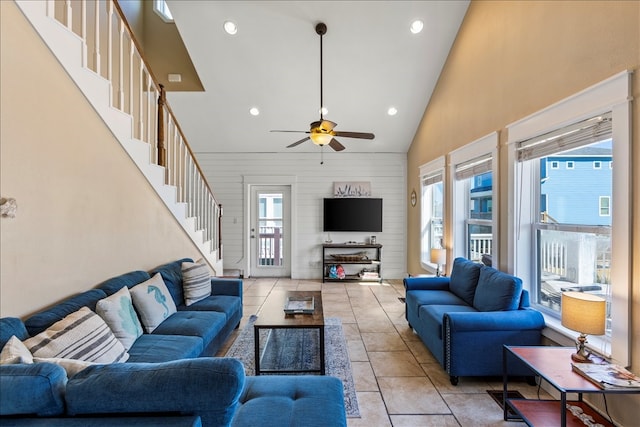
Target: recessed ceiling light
{"type": "Point", "coordinates": [417, 26]}
{"type": "Point", "coordinates": [324, 111]}
{"type": "Point", "coordinates": [254, 111]}
{"type": "Point", "coordinates": [230, 27]}
{"type": "Point", "coordinates": [392, 111]}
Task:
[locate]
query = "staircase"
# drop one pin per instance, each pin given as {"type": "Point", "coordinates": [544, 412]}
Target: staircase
{"type": "Point", "coordinates": [93, 43]}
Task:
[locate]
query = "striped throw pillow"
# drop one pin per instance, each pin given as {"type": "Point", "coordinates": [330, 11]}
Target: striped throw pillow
{"type": "Point", "coordinates": [196, 281]}
{"type": "Point", "coordinates": [81, 335]}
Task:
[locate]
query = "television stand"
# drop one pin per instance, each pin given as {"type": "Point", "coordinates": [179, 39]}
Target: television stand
{"type": "Point", "coordinates": [361, 262]}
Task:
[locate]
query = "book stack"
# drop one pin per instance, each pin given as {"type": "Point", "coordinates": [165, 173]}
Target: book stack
{"type": "Point", "coordinates": [369, 275]}
{"type": "Point", "coordinates": [607, 375]}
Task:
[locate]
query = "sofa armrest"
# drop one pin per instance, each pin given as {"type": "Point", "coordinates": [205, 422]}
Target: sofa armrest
{"type": "Point", "coordinates": [426, 283]}
{"type": "Point", "coordinates": [220, 286]}
{"type": "Point", "coordinates": [206, 386]}
{"type": "Point", "coordinates": [32, 388]}
{"type": "Point", "coordinates": [513, 320]}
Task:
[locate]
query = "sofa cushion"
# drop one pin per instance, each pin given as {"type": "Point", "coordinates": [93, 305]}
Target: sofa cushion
{"type": "Point", "coordinates": [109, 421]}
{"type": "Point", "coordinates": [464, 279]}
{"type": "Point", "coordinates": [196, 281]}
{"type": "Point", "coordinates": [42, 320]}
{"type": "Point", "coordinates": [118, 313]}
{"type": "Point", "coordinates": [12, 326]}
{"type": "Point", "coordinates": [229, 305]}
{"type": "Point", "coordinates": [165, 348]}
{"type": "Point", "coordinates": [203, 324]}
{"type": "Point", "coordinates": [129, 280]}
{"type": "Point", "coordinates": [32, 389]}
{"type": "Point", "coordinates": [82, 335]}
{"type": "Point", "coordinates": [497, 291]}
{"type": "Point", "coordinates": [14, 351]}
{"type": "Point", "coordinates": [152, 302]}
{"type": "Point", "coordinates": [172, 275]}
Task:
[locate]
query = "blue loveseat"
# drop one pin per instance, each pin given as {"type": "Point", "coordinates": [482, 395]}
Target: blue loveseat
{"type": "Point", "coordinates": [170, 377]}
{"type": "Point", "coordinates": [465, 319]}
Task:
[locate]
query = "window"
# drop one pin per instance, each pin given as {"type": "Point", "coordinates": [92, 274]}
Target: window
{"type": "Point", "coordinates": [555, 165]}
{"type": "Point", "coordinates": [570, 164]}
{"type": "Point", "coordinates": [559, 239]}
{"type": "Point", "coordinates": [605, 205]}
{"type": "Point", "coordinates": [474, 197]}
{"type": "Point", "coordinates": [431, 210]}
{"type": "Point", "coordinates": [161, 8]}
{"type": "Point", "coordinates": [597, 164]}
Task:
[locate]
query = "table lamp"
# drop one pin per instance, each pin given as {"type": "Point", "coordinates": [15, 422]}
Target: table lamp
{"type": "Point", "coordinates": [584, 313]}
{"type": "Point", "coordinates": [438, 257]}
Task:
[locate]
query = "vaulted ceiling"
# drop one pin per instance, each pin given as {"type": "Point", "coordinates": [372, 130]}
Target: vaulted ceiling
{"type": "Point", "coordinates": [371, 62]}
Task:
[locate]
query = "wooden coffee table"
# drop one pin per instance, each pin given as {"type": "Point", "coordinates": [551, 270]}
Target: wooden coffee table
{"type": "Point", "coordinates": [272, 316]}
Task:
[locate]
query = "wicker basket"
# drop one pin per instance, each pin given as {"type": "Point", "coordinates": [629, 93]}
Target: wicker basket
{"type": "Point", "coordinates": [360, 256]}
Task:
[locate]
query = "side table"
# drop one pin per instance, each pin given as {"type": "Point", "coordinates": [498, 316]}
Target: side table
{"type": "Point", "coordinates": [553, 364]}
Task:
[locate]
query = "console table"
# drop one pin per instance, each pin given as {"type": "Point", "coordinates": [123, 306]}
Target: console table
{"type": "Point", "coordinates": [553, 364]}
{"type": "Point", "coordinates": [342, 253]}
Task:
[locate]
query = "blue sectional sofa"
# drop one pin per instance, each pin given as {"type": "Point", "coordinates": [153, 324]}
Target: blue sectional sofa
{"type": "Point", "coordinates": [171, 376]}
{"type": "Point", "coordinates": [465, 319]}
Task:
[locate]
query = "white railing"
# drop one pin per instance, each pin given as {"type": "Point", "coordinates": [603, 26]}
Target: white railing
{"type": "Point", "coordinates": [111, 51]}
{"type": "Point", "coordinates": [479, 244]}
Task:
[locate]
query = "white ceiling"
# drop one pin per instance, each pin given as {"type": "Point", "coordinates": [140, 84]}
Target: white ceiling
{"type": "Point", "coordinates": [371, 62]}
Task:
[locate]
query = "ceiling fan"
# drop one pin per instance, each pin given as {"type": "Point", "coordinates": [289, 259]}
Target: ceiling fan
{"type": "Point", "coordinates": [321, 132]}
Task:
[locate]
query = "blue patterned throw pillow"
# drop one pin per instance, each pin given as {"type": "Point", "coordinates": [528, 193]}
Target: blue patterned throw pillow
{"type": "Point", "coordinates": [118, 313]}
{"type": "Point", "coordinates": [153, 302]}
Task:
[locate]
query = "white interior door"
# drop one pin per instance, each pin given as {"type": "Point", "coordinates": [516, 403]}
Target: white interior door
{"type": "Point", "coordinates": [270, 231]}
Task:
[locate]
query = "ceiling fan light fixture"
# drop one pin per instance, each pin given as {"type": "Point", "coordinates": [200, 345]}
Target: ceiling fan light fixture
{"type": "Point", "coordinates": [230, 27]}
{"type": "Point", "coordinates": [416, 26]}
{"type": "Point", "coordinates": [321, 138]}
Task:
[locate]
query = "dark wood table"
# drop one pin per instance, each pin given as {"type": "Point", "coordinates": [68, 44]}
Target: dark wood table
{"type": "Point", "coordinates": [272, 316]}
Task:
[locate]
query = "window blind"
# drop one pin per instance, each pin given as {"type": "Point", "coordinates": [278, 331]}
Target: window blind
{"type": "Point", "coordinates": [474, 167]}
{"type": "Point", "coordinates": [432, 178]}
{"type": "Point", "coordinates": [570, 137]}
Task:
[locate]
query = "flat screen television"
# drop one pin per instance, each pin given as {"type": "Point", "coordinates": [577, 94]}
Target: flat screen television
{"type": "Point", "coordinates": [352, 214]}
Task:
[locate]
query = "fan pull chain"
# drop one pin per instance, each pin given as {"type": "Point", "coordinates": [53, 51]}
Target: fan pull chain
{"type": "Point", "coordinates": [322, 154]}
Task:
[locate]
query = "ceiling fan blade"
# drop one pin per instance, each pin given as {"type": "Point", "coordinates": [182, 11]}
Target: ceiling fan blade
{"type": "Point", "coordinates": [361, 135]}
{"type": "Point", "coordinates": [292, 131]}
{"type": "Point", "coordinates": [336, 145]}
{"type": "Point", "coordinates": [298, 142]}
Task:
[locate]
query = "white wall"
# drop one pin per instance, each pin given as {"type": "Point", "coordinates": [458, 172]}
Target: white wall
{"type": "Point", "coordinates": [386, 172]}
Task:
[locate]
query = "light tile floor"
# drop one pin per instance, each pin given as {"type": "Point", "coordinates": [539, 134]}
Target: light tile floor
{"type": "Point", "coordinates": [397, 380]}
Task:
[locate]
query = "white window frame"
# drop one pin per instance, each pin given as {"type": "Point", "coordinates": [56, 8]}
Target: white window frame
{"type": "Point", "coordinates": [613, 94]}
{"type": "Point", "coordinates": [487, 145]}
{"type": "Point", "coordinates": [570, 164]}
{"type": "Point", "coordinates": [554, 164]}
{"type": "Point", "coordinates": [429, 169]}
{"type": "Point", "coordinates": [597, 164]}
{"type": "Point", "coordinates": [162, 9]}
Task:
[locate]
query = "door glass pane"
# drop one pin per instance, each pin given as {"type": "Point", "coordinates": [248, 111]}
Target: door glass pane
{"type": "Point", "coordinates": [270, 227]}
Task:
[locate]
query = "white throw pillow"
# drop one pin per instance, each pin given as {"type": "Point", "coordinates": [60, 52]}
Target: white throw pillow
{"type": "Point", "coordinates": [117, 311]}
{"type": "Point", "coordinates": [153, 302]}
{"type": "Point", "coordinates": [72, 366]}
{"type": "Point", "coordinates": [196, 281]}
{"type": "Point", "coordinates": [81, 335]}
{"type": "Point", "coordinates": [14, 351]}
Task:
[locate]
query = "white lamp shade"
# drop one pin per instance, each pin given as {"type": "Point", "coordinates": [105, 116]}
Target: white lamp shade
{"type": "Point", "coordinates": [584, 313]}
{"type": "Point", "coordinates": [438, 256]}
{"type": "Point", "coordinates": [321, 138]}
